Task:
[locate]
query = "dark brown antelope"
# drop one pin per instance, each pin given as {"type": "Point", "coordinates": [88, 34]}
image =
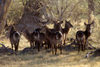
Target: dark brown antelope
{"type": "Point", "coordinates": [29, 37]}
{"type": "Point", "coordinates": [81, 40]}
{"type": "Point", "coordinates": [36, 38]}
{"type": "Point", "coordinates": [39, 38]}
{"type": "Point", "coordinates": [87, 32]}
{"type": "Point", "coordinates": [82, 37]}
{"type": "Point", "coordinates": [65, 30]}
{"type": "Point", "coordinates": [54, 37]}
{"type": "Point", "coordinates": [14, 38]}
{"type": "Point", "coordinates": [57, 25]}
{"type": "Point", "coordinates": [33, 37]}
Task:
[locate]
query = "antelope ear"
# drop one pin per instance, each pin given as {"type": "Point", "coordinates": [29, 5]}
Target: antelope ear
{"type": "Point", "coordinates": [85, 23]}
{"type": "Point", "coordinates": [61, 22]}
{"type": "Point", "coordinates": [66, 21]}
{"type": "Point", "coordinates": [92, 22]}
{"type": "Point", "coordinates": [71, 25]}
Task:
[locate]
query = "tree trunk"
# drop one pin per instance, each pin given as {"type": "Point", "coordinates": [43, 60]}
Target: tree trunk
{"type": "Point", "coordinates": [90, 11]}
{"type": "Point", "coordinates": [32, 15]}
{"type": "Point", "coordinates": [4, 4]}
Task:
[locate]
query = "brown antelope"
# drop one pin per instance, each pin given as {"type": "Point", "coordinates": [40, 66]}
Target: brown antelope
{"type": "Point", "coordinates": [82, 37]}
{"type": "Point", "coordinates": [81, 40]}
{"type": "Point", "coordinates": [29, 37]}
{"type": "Point", "coordinates": [54, 37]}
{"type": "Point", "coordinates": [65, 30]}
{"type": "Point", "coordinates": [87, 32]}
{"type": "Point", "coordinates": [14, 38]}
{"type": "Point", "coordinates": [36, 38]}
{"type": "Point", "coordinates": [57, 25]}
{"type": "Point", "coordinates": [33, 37]}
{"type": "Point", "coordinates": [39, 38]}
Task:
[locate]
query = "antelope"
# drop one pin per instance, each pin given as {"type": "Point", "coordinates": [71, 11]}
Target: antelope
{"type": "Point", "coordinates": [14, 38]}
{"type": "Point", "coordinates": [57, 26]}
{"type": "Point", "coordinates": [82, 37]}
{"type": "Point", "coordinates": [54, 37]}
{"type": "Point", "coordinates": [81, 40]}
{"type": "Point", "coordinates": [87, 32]}
{"type": "Point", "coordinates": [65, 30]}
{"type": "Point", "coordinates": [29, 37]}
{"type": "Point", "coordinates": [39, 37]}
{"type": "Point", "coordinates": [35, 38]}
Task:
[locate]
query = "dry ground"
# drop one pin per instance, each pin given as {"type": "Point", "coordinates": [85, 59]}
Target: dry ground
{"type": "Point", "coordinates": [46, 59]}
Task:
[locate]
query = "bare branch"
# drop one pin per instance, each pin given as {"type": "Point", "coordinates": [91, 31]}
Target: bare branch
{"type": "Point", "coordinates": [48, 14]}
{"type": "Point", "coordinates": [62, 12]}
{"type": "Point", "coordinates": [73, 8]}
{"type": "Point", "coordinates": [57, 8]}
{"type": "Point", "coordinates": [23, 2]}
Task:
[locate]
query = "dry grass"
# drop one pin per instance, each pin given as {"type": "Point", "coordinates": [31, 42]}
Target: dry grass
{"type": "Point", "coordinates": [46, 59]}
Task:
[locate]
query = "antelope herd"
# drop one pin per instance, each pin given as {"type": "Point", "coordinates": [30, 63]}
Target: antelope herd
{"type": "Point", "coordinates": [52, 38]}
